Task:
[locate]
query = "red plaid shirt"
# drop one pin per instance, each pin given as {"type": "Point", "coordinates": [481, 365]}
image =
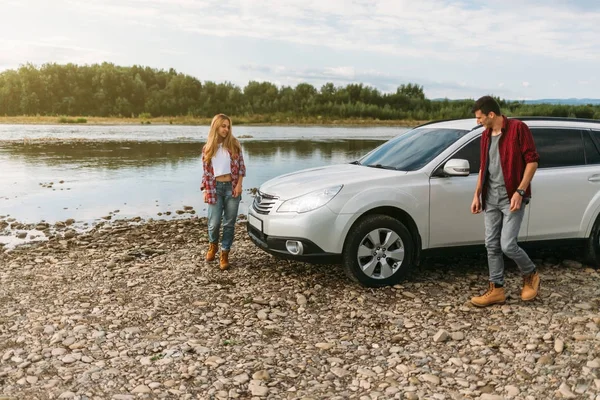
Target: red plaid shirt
{"type": "Point", "coordinates": [209, 181]}
{"type": "Point", "coordinates": [516, 148]}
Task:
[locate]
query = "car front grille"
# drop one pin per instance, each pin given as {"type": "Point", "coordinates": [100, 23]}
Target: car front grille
{"type": "Point", "coordinates": [263, 203]}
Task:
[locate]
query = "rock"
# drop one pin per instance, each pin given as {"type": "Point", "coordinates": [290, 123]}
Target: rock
{"type": "Point", "coordinates": [324, 346]}
{"type": "Point", "coordinates": [68, 359]}
{"type": "Point", "coordinates": [257, 389]}
{"type": "Point", "coordinates": [565, 392]}
{"type": "Point", "coordinates": [262, 375]}
{"type": "Point", "coordinates": [458, 336]}
{"type": "Point", "coordinates": [59, 351]}
{"type": "Point", "coordinates": [66, 395]}
{"type": "Point", "coordinates": [340, 372]}
{"type": "Point", "coordinates": [241, 379]}
{"type": "Point", "coordinates": [262, 315]}
{"type": "Point", "coordinates": [487, 396]}
{"type": "Point", "coordinates": [430, 378]}
{"type": "Point", "coordinates": [214, 361]}
{"type": "Point", "coordinates": [559, 346]}
{"type": "Point", "coordinates": [441, 336]}
{"type": "Point", "coordinates": [141, 389]}
{"type": "Point", "coordinates": [545, 360]}
{"type": "Point", "coordinates": [301, 299]}
{"type": "Point", "coordinates": [512, 391]}
{"type": "Point", "coordinates": [594, 364]}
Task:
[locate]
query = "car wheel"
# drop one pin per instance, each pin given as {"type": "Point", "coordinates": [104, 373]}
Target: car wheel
{"type": "Point", "coordinates": [592, 248]}
{"type": "Point", "coordinates": [378, 251]}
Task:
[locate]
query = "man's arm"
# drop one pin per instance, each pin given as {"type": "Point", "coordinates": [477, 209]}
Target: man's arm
{"type": "Point", "coordinates": [530, 169]}
{"type": "Point", "coordinates": [532, 158]}
{"type": "Point", "coordinates": [478, 187]}
{"type": "Point", "coordinates": [476, 203]}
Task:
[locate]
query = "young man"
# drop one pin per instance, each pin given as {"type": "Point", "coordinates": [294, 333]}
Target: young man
{"type": "Point", "coordinates": [508, 162]}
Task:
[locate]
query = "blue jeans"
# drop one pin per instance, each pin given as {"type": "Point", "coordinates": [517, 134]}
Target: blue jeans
{"type": "Point", "coordinates": [501, 231]}
{"type": "Point", "coordinates": [226, 207]}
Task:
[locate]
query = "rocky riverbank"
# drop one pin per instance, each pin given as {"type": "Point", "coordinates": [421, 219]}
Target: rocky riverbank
{"type": "Point", "coordinates": [126, 311]}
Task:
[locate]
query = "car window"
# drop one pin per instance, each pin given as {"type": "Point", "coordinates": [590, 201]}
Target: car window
{"type": "Point", "coordinates": [559, 147]}
{"type": "Point", "coordinates": [414, 149]}
{"type": "Point", "coordinates": [472, 153]}
{"type": "Point", "coordinates": [592, 155]}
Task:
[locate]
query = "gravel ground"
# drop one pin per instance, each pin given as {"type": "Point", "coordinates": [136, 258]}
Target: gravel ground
{"type": "Point", "coordinates": [129, 311]}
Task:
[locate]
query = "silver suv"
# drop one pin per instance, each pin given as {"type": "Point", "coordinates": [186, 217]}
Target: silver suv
{"type": "Point", "coordinates": [377, 214]}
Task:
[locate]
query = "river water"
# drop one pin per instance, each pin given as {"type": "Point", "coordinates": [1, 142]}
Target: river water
{"type": "Point", "coordinates": [55, 172]}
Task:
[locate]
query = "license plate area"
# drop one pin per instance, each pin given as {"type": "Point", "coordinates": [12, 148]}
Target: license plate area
{"type": "Point", "coordinates": [255, 223]}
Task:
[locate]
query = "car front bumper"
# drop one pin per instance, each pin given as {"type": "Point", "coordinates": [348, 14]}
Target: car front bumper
{"type": "Point", "coordinates": [315, 230]}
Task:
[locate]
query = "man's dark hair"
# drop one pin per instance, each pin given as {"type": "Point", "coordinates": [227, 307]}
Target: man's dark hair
{"type": "Point", "coordinates": [486, 104]}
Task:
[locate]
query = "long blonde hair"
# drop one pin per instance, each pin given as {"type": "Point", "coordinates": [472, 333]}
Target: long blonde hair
{"type": "Point", "coordinates": [229, 143]}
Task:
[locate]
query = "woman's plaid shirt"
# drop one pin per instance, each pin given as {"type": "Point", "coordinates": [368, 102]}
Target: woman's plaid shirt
{"type": "Point", "coordinates": [209, 182]}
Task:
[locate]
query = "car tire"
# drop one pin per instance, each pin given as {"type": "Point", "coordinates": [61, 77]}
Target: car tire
{"type": "Point", "coordinates": [592, 248]}
{"type": "Point", "coordinates": [379, 251]}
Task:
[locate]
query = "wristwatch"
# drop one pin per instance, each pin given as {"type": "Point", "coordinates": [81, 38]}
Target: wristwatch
{"type": "Point", "coordinates": [521, 192]}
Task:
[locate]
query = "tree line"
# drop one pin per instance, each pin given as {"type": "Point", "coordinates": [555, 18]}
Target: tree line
{"type": "Point", "coordinates": [108, 90]}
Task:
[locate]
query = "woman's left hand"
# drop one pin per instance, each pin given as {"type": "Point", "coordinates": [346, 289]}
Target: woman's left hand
{"type": "Point", "coordinates": [237, 190]}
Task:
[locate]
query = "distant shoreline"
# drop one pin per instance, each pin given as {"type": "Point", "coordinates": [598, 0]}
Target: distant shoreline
{"type": "Point", "coordinates": [192, 121]}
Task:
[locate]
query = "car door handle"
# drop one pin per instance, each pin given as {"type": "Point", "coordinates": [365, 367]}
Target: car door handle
{"type": "Point", "coordinates": [594, 178]}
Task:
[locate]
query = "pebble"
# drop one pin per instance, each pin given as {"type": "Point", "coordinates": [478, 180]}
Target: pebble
{"type": "Point", "coordinates": [441, 336]}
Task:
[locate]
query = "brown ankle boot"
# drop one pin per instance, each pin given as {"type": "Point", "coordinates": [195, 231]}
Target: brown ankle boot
{"type": "Point", "coordinates": [212, 251]}
{"type": "Point", "coordinates": [493, 295]}
{"type": "Point", "coordinates": [224, 262]}
{"type": "Point", "coordinates": [531, 286]}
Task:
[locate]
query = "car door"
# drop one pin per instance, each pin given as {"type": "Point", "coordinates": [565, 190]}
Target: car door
{"type": "Point", "coordinates": [564, 183]}
{"type": "Point", "coordinates": [451, 221]}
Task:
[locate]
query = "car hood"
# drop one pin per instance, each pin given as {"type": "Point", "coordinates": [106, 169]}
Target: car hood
{"type": "Point", "coordinates": [305, 181]}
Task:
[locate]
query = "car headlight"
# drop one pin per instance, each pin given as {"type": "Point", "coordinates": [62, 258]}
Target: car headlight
{"type": "Point", "coordinates": [310, 201]}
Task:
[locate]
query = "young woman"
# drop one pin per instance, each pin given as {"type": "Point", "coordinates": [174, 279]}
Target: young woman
{"type": "Point", "coordinates": [224, 171]}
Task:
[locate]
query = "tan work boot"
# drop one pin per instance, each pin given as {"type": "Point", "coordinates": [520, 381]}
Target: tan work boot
{"type": "Point", "coordinates": [493, 295]}
{"type": "Point", "coordinates": [531, 286]}
{"type": "Point", "coordinates": [224, 262]}
{"type": "Point", "coordinates": [212, 251]}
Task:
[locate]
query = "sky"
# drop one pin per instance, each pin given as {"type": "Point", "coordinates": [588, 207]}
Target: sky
{"type": "Point", "coordinates": [526, 49]}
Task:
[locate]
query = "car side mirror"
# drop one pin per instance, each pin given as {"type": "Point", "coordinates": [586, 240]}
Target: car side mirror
{"type": "Point", "coordinates": [457, 167]}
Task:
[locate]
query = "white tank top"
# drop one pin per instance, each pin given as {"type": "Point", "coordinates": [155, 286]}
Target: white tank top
{"type": "Point", "coordinates": [221, 162]}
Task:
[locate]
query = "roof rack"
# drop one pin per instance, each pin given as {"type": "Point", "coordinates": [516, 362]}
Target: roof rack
{"type": "Point", "coordinates": [566, 119]}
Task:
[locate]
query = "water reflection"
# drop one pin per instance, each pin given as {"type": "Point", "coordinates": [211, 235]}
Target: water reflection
{"type": "Point", "coordinates": [140, 177]}
{"type": "Point", "coordinates": [127, 154]}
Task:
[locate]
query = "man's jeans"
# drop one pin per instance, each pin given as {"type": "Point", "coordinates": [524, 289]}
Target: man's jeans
{"type": "Point", "coordinates": [501, 231]}
{"type": "Point", "coordinates": [226, 207]}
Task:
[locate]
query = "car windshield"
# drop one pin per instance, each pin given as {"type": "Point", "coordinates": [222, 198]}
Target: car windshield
{"type": "Point", "coordinates": [412, 150]}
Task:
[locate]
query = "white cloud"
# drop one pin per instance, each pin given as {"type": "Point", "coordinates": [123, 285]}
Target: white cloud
{"type": "Point", "coordinates": [51, 49]}
{"type": "Point", "coordinates": [526, 84]}
{"type": "Point", "coordinates": [437, 29]}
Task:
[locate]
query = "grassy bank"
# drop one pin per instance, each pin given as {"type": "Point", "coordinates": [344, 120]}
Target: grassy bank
{"type": "Point", "coordinates": [184, 120]}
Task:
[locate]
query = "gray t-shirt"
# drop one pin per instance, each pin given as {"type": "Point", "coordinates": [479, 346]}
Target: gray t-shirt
{"type": "Point", "coordinates": [496, 191]}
